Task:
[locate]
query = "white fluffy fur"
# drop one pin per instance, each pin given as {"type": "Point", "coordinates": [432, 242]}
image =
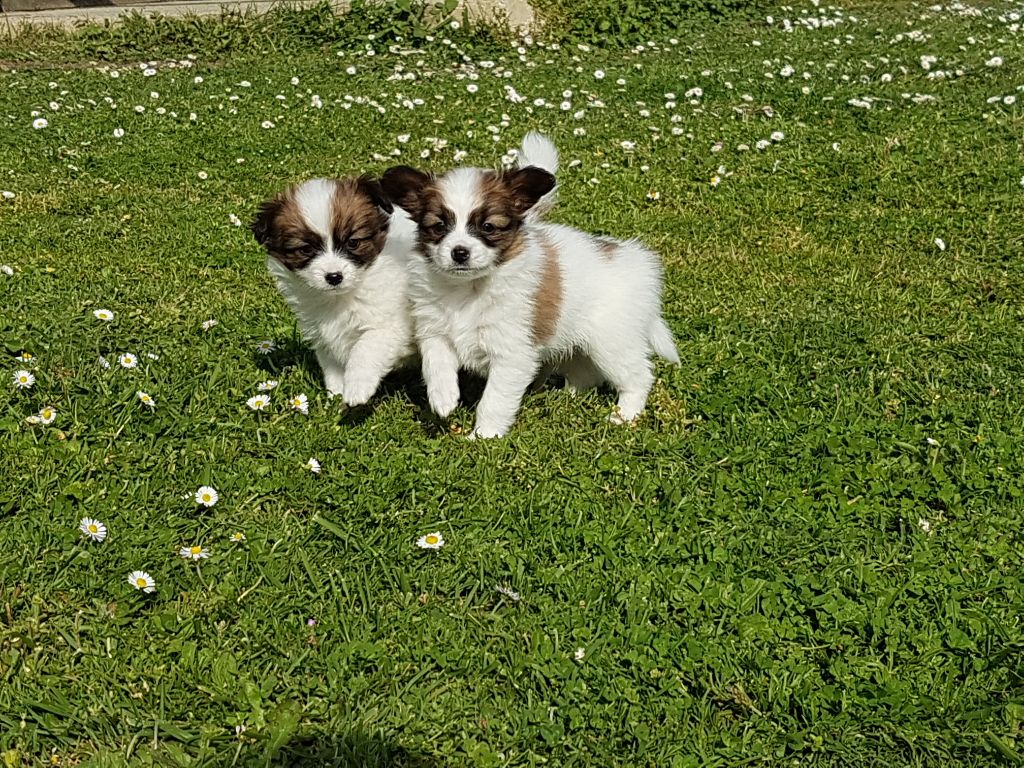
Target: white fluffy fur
{"type": "Point", "coordinates": [608, 327]}
{"type": "Point", "coordinates": [361, 329]}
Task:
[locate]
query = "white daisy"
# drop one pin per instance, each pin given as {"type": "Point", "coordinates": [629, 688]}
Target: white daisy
{"type": "Point", "coordinates": [208, 324]}
{"type": "Point", "coordinates": [265, 347]}
{"type": "Point", "coordinates": [238, 537]}
{"type": "Point", "coordinates": [266, 124]}
{"type": "Point", "coordinates": [104, 363]}
{"type": "Point", "coordinates": [142, 580]}
{"type": "Point", "coordinates": [93, 529]}
{"type": "Point", "coordinates": [266, 386]}
{"type": "Point", "coordinates": [300, 403]}
{"type": "Point", "coordinates": [258, 402]}
{"type": "Point", "coordinates": [128, 360]}
{"type": "Point", "coordinates": [579, 654]}
{"type": "Point", "coordinates": [146, 399]}
{"type": "Point", "coordinates": [932, 442]}
{"type": "Point", "coordinates": [940, 243]}
{"type": "Point", "coordinates": [313, 466]}
{"type": "Point", "coordinates": [23, 379]}
{"type": "Point", "coordinates": [206, 496]}
{"type": "Point", "coordinates": [430, 541]}
{"type": "Point", "coordinates": [7, 195]}
{"type": "Point", "coordinates": [119, 133]}
{"type": "Point", "coordinates": [510, 593]}
{"type": "Point", "coordinates": [777, 136]}
{"type": "Point", "coordinates": [7, 269]}
{"type": "Point", "coordinates": [24, 357]}
{"type": "Point", "coordinates": [194, 553]}
{"type": "Point", "coordinates": [234, 220]}
{"type": "Point", "coordinates": [762, 144]}
{"type": "Point", "coordinates": [40, 122]}
{"type": "Point", "coordinates": [47, 415]}
{"type": "Point", "coordinates": [103, 314]}
{"type": "Point", "coordinates": [599, 74]}
{"type": "Point", "coordinates": [924, 525]}
{"type": "Point", "coordinates": [32, 420]}
{"type": "Point", "coordinates": [716, 180]}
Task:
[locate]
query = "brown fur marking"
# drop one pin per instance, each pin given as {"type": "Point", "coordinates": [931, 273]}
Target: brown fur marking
{"type": "Point", "coordinates": [607, 248]}
{"type": "Point", "coordinates": [359, 228]}
{"type": "Point", "coordinates": [501, 213]}
{"type": "Point", "coordinates": [547, 302]}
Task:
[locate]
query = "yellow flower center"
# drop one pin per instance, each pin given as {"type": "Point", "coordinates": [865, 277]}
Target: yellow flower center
{"type": "Point", "coordinates": [47, 413]}
{"type": "Point", "coordinates": [431, 539]}
{"type": "Point", "coordinates": [195, 550]}
{"type": "Point", "coordinates": [206, 497]}
{"type": "Point", "coordinates": [93, 528]}
{"type": "Point", "coordinates": [140, 582]}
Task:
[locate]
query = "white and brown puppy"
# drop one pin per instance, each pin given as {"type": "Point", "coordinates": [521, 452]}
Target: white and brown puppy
{"type": "Point", "coordinates": [502, 293]}
{"type": "Point", "coordinates": [339, 256]}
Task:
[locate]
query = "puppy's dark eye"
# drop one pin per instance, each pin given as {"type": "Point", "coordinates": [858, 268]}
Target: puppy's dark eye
{"type": "Point", "coordinates": [487, 228]}
{"type": "Point", "coordinates": [353, 243]}
{"type": "Point", "coordinates": [438, 229]}
{"type": "Point", "coordinates": [305, 251]}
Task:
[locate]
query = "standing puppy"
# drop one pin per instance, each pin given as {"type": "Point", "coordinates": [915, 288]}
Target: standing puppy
{"type": "Point", "coordinates": [339, 258]}
{"type": "Point", "coordinates": [502, 293]}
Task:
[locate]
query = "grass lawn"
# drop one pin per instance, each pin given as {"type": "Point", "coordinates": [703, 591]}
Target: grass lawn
{"type": "Point", "coordinates": [809, 551]}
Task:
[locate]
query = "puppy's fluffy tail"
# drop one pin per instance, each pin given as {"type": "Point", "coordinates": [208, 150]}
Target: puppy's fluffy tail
{"type": "Point", "coordinates": [662, 342]}
{"type": "Point", "coordinates": [539, 151]}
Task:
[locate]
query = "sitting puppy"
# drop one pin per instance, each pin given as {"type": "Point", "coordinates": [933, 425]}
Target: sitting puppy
{"type": "Point", "coordinates": [339, 258]}
{"type": "Point", "coordinates": [502, 293]}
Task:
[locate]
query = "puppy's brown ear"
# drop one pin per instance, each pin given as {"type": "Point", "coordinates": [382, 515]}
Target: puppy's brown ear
{"type": "Point", "coordinates": [528, 185]}
{"type": "Point", "coordinates": [263, 225]}
{"type": "Point", "coordinates": [404, 187]}
{"type": "Point", "coordinates": [370, 187]}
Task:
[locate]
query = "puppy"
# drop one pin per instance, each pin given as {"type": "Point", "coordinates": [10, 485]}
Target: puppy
{"type": "Point", "coordinates": [338, 255]}
{"type": "Point", "coordinates": [500, 292]}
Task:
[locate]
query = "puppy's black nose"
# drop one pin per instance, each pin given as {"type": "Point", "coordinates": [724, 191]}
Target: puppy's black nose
{"type": "Point", "coordinates": [460, 255]}
{"type": "Point", "coordinates": [334, 278]}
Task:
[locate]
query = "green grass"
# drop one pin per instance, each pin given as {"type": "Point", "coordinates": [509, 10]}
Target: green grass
{"type": "Point", "coordinates": [746, 568]}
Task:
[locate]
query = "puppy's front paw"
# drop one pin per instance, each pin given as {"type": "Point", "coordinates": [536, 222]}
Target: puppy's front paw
{"type": "Point", "coordinates": [359, 388]}
{"type": "Point", "coordinates": [485, 433]}
{"type": "Point", "coordinates": [443, 399]}
{"type": "Point", "coordinates": [335, 385]}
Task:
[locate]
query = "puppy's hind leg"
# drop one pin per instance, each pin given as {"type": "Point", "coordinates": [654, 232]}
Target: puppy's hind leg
{"type": "Point", "coordinates": [580, 374]}
{"type": "Point", "coordinates": [629, 371]}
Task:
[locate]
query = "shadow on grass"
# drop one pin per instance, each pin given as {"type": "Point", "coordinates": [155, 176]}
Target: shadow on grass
{"type": "Point", "coordinates": [354, 750]}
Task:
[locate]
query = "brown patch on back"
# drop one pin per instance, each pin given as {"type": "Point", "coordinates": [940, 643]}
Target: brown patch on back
{"type": "Point", "coordinates": [499, 219]}
{"type": "Point", "coordinates": [547, 302]}
{"type": "Point", "coordinates": [607, 248]}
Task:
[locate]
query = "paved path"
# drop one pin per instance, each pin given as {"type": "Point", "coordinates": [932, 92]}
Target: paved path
{"type": "Point", "coordinates": [520, 14]}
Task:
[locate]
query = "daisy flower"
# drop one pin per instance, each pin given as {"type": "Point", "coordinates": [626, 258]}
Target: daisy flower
{"type": "Point", "coordinates": [104, 363]}
{"type": "Point", "coordinates": [265, 347]}
{"type": "Point", "coordinates": [103, 314]}
{"type": "Point", "coordinates": [23, 379]}
{"type": "Point", "coordinates": [599, 74]}
{"type": "Point", "coordinates": [716, 180]}
{"type": "Point", "coordinates": [194, 553]}
{"type": "Point", "coordinates": [313, 466]}
{"type": "Point", "coordinates": [24, 357]}
{"type": "Point", "coordinates": [206, 496]}
{"type": "Point", "coordinates": [579, 654]}
{"type": "Point", "coordinates": [208, 324]}
{"type": "Point", "coordinates": [266, 386]}
{"type": "Point", "coordinates": [510, 593]}
{"type": "Point", "coordinates": [47, 415]}
{"type": "Point", "coordinates": [40, 122]}
{"type": "Point", "coordinates": [940, 243]}
{"type": "Point", "coordinates": [93, 529]}
{"type": "Point", "coordinates": [128, 360]}
{"type": "Point", "coordinates": [142, 580]}
{"type": "Point", "coordinates": [258, 402]}
{"type": "Point", "coordinates": [924, 525]}
{"type": "Point", "coordinates": [7, 269]}
{"type": "Point", "coordinates": [300, 403]}
{"type": "Point", "coordinates": [234, 220]}
{"type": "Point", "coordinates": [932, 442]}
{"type": "Point", "coordinates": [146, 399]}
{"type": "Point", "coordinates": [238, 537]}
{"type": "Point", "coordinates": [430, 541]}
{"type": "Point", "coordinates": [119, 133]}
{"type": "Point", "coordinates": [777, 136]}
